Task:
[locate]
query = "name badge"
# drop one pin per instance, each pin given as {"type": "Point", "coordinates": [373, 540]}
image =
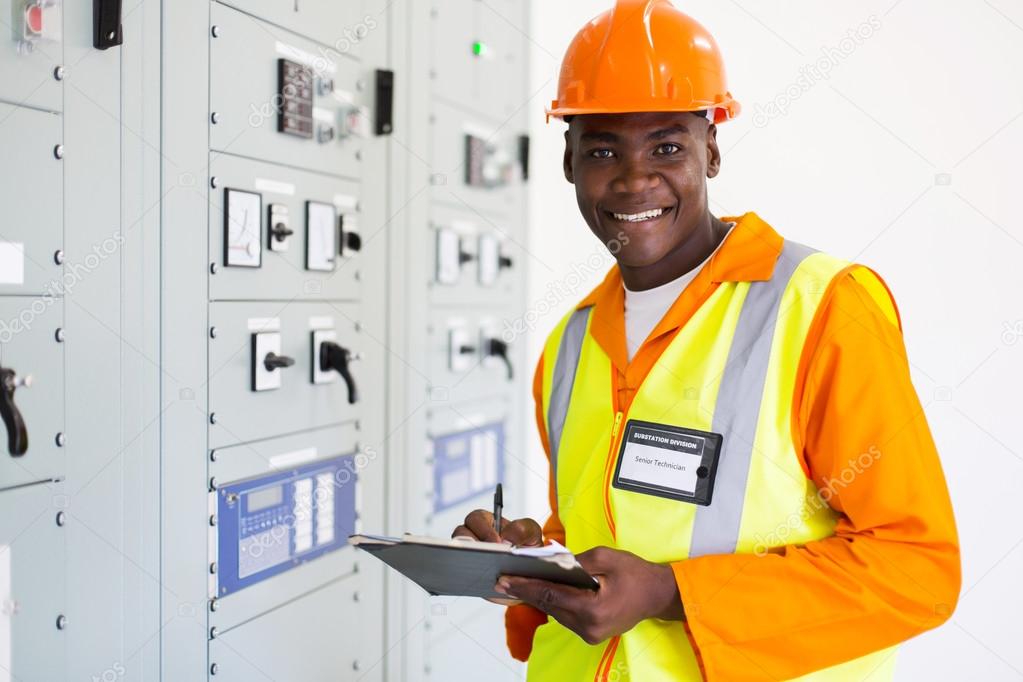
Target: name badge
{"type": "Point", "coordinates": [668, 461]}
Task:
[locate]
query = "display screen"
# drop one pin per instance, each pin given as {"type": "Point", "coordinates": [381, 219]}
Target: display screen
{"type": "Point", "coordinates": [263, 498]}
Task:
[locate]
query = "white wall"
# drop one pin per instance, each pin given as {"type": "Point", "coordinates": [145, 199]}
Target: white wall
{"type": "Point", "coordinates": [904, 158]}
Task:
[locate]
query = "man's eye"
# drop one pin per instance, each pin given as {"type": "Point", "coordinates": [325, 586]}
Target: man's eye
{"type": "Point", "coordinates": [668, 148]}
{"type": "Point", "coordinates": [601, 153]}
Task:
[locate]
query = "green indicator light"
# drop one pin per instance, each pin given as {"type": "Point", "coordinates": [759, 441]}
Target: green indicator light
{"type": "Point", "coordinates": [479, 49]}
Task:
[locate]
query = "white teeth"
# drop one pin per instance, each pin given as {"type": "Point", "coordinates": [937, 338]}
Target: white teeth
{"type": "Point", "coordinates": [636, 217]}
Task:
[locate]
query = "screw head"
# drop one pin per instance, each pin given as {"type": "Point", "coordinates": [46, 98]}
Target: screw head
{"type": "Point", "coordinates": [58, 257]}
{"type": "Point", "coordinates": [213, 455]}
{"type": "Point", "coordinates": [60, 439]}
{"type": "Point", "coordinates": [355, 665]}
{"type": "Point", "coordinates": [58, 73]}
{"type": "Point", "coordinates": [213, 519]}
{"type": "Point", "coordinates": [213, 332]}
{"type": "Point", "coordinates": [213, 568]}
{"type": "Point", "coordinates": [215, 118]}
{"type": "Point", "coordinates": [213, 483]}
{"type": "Point", "coordinates": [214, 669]}
{"type": "Point", "coordinates": [214, 604]}
{"type": "Point", "coordinates": [213, 417]}
{"type": "Point", "coordinates": [59, 335]}
{"type": "Point", "coordinates": [61, 621]}
{"type": "Point", "coordinates": [215, 30]}
{"type": "Point", "coordinates": [214, 632]}
{"type": "Point", "coordinates": [61, 518]}
{"type": "Point", "coordinates": [58, 151]}
{"type": "Point", "coordinates": [213, 181]}
{"type": "Point", "coordinates": [213, 268]}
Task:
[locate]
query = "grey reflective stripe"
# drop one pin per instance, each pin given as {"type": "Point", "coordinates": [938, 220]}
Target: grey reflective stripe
{"type": "Point", "coordinates": [716, 527]}
{"type": "Point", "coordinates": [569, 350]}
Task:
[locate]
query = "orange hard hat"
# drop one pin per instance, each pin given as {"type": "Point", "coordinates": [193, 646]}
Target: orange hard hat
{"type": "Point", "coordinates": [643, 55]}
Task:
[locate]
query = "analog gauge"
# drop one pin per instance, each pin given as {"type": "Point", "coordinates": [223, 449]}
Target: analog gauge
{"type": "Point", "coordinates": [243, 228]}
{"type": "Point", "coordinates": [320, 235]}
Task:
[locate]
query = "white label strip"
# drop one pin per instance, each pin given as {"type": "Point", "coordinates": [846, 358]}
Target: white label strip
{"type": "Point", "coordinates": [315, 61]}
{"type": "Point", "coordinates": [275, 187]}
{"type": "Point", "coordinates": [12, 263]}
{"type": "Point", "coordinates": [345, 202]}
{"type": "Point", "coordinates": [264, 324]}
{"type": "Point", "coordinates": [321, 322]}
{"type": "Point", "coordinates": [290, 459]}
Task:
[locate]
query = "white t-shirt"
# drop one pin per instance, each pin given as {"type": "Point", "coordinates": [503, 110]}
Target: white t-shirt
{"type": "Point", "coordinates": [644, 309]}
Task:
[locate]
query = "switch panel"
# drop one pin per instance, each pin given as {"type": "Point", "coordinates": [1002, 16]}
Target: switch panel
{"type": "Point", "coordinates": [279, 228]}
{"type": "Point", "coordinates": [267, 361]}
{"type": "Point", "coordinates": [488, 258]}
{"type": "Point", "coordinates": [321, 375]}
{"type": "Point", "coordinates": [320, 236]}
{"type": "Point", "coordinates": [462, 350]}
{"type": "Point", "coordinates": [449, 246]}
{"type": "Point", "coordinates": [243, 228]}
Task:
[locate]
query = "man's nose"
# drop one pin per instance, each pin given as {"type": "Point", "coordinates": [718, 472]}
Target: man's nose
{"type": "Point", "coordinates": [635, 178]}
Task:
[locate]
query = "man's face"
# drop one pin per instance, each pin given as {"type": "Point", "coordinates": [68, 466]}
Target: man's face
{"type": "Point", "coordinates": [625, 166]}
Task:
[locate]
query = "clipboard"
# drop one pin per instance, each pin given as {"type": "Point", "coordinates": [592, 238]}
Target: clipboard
{"type": "Point", "coordinates": [467, 568]}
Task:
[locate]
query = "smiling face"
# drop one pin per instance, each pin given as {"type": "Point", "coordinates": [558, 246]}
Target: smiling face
{"type": "Point", "coordinates": [641, 185]}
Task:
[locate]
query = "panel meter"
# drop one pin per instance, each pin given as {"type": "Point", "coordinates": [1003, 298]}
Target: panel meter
{"type": "Point", "coordinates": [272, 523]}
{"type": "Point", "coordinates": [320, 235]}
{"type": "Point", "coordinates": [243, 228]}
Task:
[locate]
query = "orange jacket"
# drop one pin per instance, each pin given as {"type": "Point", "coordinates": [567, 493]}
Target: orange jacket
{"type": "Point", "coordinates": [891, 571]}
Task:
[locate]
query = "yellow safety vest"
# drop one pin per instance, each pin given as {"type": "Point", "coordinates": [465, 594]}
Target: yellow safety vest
{"type": "Point", "coordinates": [730, 370]}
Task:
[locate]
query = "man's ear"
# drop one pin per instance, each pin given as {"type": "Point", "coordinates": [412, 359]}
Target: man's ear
{"type": "Point", "coordinates": [569, 175]}
{"type": "Point", "coordinates": [713, 153]}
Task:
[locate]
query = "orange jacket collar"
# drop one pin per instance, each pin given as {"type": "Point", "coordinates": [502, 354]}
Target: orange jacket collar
{"type": "Point", "coordinates": [748, 254]}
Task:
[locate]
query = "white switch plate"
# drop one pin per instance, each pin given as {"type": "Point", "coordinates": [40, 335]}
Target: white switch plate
{"type": "Point", "coordinates": [262, 378]}
{"type": "Point", "coordinates": [318, 337]}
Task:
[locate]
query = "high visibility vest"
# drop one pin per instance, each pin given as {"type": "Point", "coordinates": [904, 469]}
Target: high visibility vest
{"type": "Point", "coordinates": [731, 369]}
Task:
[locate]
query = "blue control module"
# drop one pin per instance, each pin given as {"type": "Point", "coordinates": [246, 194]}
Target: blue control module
{"type": "Point", "coordinates": [272, 523]}
{"type": "Point", "coordinates": [466, 464]}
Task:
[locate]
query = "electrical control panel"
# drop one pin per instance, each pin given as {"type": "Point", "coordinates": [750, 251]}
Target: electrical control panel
{"type": "Point", "coordinates": [255, 271]}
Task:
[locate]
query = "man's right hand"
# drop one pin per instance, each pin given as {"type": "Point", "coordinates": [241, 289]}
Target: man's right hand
{"type": "Point", "coordinates": [479, 525]}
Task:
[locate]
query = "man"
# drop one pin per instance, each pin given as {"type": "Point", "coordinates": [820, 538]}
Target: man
{"type": "Point", "coordinates": [737, 452]}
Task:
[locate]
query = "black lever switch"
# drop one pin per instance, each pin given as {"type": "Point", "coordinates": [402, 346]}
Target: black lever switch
{"type": "Point", "coordinates": [274, 361]}
{"type": "Point", "coordinates": [106, 24]}
{"type": "Point", "coordinates": [281, 231]}
{"type": "Point", "coordinates": [336, 357]}
{"type": "Point", "coordinates": [17, 434]}
{"type": "Point", "coordinates": [498, 348]}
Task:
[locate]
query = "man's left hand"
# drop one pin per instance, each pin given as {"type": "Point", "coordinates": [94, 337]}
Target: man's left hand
{"type": "Point", "coordinates": [631, 589]}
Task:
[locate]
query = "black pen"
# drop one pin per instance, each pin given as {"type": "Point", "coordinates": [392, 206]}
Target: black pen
{"type": "Point", "coordinates": [498, 508]}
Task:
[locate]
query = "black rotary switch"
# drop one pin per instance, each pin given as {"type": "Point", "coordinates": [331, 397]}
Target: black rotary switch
{"type": "Point", "coordinates": [274, 361]}
{"type": "Point", "coordinates": [351, 241]}
{"type": "Point", "coordinates": [504, 262]}
{"type": "Point", "coordinates": [17, 434]}
{"type": "Point", "coordinates": [498, 348]}
{"type": "Point", "coordinates": [338, 358]}
{"type": "Point", "coordinates": [281, 231]}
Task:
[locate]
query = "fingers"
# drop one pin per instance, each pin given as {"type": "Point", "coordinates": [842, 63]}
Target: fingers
{"type": "Point", "coordinates": [560, 601]}
{"type": "Point", "coordinates": [522, 533]}
{"type": "Point", "coordinates": [478, 525]}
